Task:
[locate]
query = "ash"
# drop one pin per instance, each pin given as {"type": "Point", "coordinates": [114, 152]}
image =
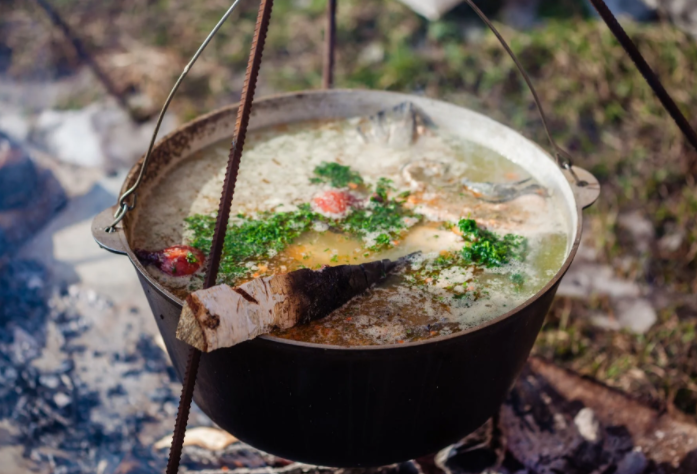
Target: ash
{"type": "Point", "coordinates": [51, 407]}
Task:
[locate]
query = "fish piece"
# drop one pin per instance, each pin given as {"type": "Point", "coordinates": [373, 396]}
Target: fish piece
{"type": "Point", "coordinates": [417, 173]}
{"type": "Point", "coordinates": [222, 316]}
{"type": "Point", "coordinates": [179, 260]}
{"type": "Point", "coordinates": [502, 192]}
{"type": "Point", "coordinates": [397, 127]}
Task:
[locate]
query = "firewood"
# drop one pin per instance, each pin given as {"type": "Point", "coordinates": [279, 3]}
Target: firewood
{"type": "Point", "coordinates": [222, 316]}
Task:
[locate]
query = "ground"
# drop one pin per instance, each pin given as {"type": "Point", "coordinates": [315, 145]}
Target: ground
{"type": "Point", "coordinates": [643, 226]}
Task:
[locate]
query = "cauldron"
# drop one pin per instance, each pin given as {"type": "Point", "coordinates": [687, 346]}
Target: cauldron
{"type": "Point", "coordinates": [356, 406]}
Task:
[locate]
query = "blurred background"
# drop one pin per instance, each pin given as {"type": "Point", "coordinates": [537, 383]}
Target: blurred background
{"type": "Point", "coordinates": [84, 384]}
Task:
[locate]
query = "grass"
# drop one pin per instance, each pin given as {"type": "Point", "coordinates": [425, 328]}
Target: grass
{"type": "Point", "coordinates": [600, 109]}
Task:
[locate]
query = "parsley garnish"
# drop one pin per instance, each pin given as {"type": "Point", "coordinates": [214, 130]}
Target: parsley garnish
{"type": "Point", "coordinates": [337, 175]}
{"type": "Point", "coordinates": [483, 247]}
{"type": "Point", "coordinates": [250, 239]}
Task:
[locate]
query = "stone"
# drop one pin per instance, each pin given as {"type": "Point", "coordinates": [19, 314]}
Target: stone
{"type": "Point", "coordinates": [14, 123]}
{"type": "Point", "coordinates": [520, 14]}
{"type": "Point", "coordinates": [633, 463]}
{"type": "Point", "coordinates": [213, 439]}
{"type": "Point", "coordinates": [584, 279]}
{"type": "Point", "coordinates": [101, 135]}
{"type": "Point", "coordinates": [670, 243]}
{"type": "Point", "coordinates": [636, 314]}
{"type": "Point", "coordinates": [69, 135]}
{"type": "Point", "coordinates": [639, 228]}
{"type": "Point", "coordinates": [587, 425]}
{"type": "Point", "coordinates": [681, 12]}
{"type": "Point", "coordinates": [431, 9]}
{"type": "Point", "coordinates": [639, 10]}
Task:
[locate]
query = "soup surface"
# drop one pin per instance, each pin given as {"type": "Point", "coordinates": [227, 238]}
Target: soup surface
{"type": "Point", "coordinates": [330, 193]}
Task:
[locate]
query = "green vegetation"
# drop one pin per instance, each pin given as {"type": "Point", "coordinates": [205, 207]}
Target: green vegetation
{"type": "Point", "coordinates": [337, 175]}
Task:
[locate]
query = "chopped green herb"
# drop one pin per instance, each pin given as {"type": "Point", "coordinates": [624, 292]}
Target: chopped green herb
{"type": "Point", "coordinates": [518, 280]}
{"type": "Point", "coordinates": [250, 239]}
{"type": "Point", "coordinates": [483, 247]}
{"type": "Point", "coordinates": [337, 175]}
{"type": "Point", "coordinates": [382, 241]}
{"type": "Point", "coordinates": [383, 186]}
{"type": "Point", "coordinates": [191, 258]}
{"type": "Point", "coordinates": [335, 259]}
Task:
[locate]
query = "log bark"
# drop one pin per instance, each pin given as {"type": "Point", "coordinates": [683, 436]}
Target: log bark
{"type": "Point", "coordinates": [223, 316]}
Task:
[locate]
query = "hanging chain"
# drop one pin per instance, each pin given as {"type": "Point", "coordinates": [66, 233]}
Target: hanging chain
{"type": "Point", "coordinates": [233, 166]}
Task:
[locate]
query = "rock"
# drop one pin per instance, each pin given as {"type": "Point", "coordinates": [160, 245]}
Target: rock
{"type": "Point", "coordinates": [101, 135]}
{"type": "Point", "coordinates": [584, 279]}
{"type": "Point", "coordinates": [12, 122]}
{"type": "Point", "coordinates": [212, 439]}
{"type": "Point", "coordinates": [639, 10]}
{"type": "Point", "coordinates": [587, 425]}
{"type": "Point", "coordinates": [633, 463]}
{"type": "Point", "coordinates": [431, 9]}
{"type": "Point", "coordinates": [70, 136]}
{"type": "Point", "coordinates": [520, 14]}
{"type": "Point", "coordinates": [61, 400]}
{"type": "Point", "coordinates": [681, 12]}
{"type": "Point", "coordinates": [670, 243]}
{"type": "Point", "coordinates": [639, 228]}
{"type": "Point", "coordinates": [637, 315]}
{"type": "Point", "coordinates": [372, 54]}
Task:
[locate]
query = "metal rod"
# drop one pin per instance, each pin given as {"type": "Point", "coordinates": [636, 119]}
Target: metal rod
{"type": "Point", "coordinates": [188, 385]}
{"type": "Point", "coordinates": [243, 113]}
{"type": "Point", "coordinates": [329, 46]}
{"type": "Point", "coordinates": [124, 207]}
{"type": "Point", "coordinates": [86, 57]}
{"type": "Point", "coordinates": [646, 71]}
{"type": "Point", "coordinates": [562, 157]}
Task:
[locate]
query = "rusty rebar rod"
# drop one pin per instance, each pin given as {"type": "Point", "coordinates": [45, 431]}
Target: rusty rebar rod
{"type": "Point", "coordinates": [233, 166]}
{"type": "Point", "coordinates": [85, 56]}
{"type": "Point", "coordinates": [646, 71]}
{"type": "Point", "coordinates": [329, 46]}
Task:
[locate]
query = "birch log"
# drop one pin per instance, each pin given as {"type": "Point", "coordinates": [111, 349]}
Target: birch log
{"type": "Point", "coordinates": [223, 316]}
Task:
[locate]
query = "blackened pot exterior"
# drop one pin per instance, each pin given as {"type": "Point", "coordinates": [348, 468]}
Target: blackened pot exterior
{"type": "Point", "coordinates": [356, 406]}
{"type": "Point", "coordinates": [359, 407]}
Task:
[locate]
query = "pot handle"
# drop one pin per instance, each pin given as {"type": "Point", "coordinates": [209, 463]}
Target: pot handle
{"type": "Point", "coordinates": [113, 241]}
{"type": "Point", "coordinates": [584, 185]}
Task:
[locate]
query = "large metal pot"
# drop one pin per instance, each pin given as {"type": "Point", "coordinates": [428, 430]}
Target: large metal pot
{"type": "Point", "coordinates": [356, 406]}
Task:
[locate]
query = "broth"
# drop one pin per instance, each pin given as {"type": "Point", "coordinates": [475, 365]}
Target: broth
{"type": "Point", "coordinates": [322, 196]}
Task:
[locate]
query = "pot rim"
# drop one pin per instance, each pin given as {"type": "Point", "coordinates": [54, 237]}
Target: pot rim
{"type": "Point", "coordinates": [311, 345]}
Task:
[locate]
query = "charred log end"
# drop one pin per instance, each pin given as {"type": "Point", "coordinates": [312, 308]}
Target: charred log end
{"type": "Point", "coordinates": [189, 329]}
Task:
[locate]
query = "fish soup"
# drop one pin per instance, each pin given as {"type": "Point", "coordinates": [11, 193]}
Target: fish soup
{"type": "Point", "coordinates": [481, 234]}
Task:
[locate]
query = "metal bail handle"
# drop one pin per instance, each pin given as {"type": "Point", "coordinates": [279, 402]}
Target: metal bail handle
{"type": "Point", "coordinates": [562, 157]}
{"type": "Point", "coordinates": [123, 204]}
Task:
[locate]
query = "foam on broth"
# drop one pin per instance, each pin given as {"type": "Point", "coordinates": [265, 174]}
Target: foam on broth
{"type": "Point", "coordinates": [275, 174]}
